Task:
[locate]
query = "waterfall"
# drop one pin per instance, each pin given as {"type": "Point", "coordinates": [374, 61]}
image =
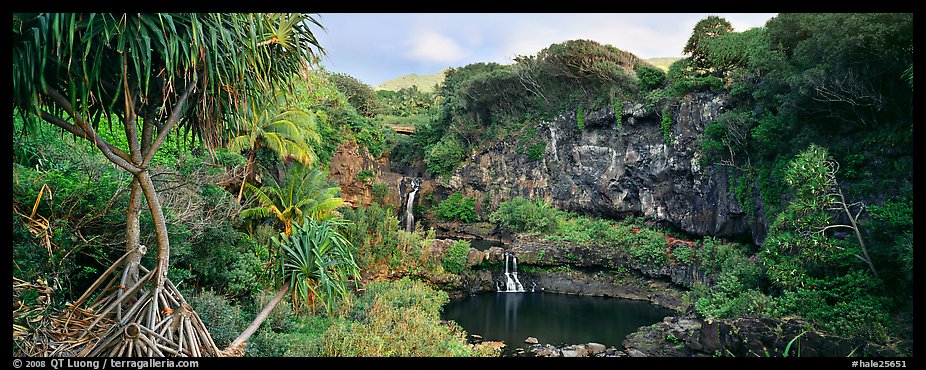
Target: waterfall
{"type": "Point", "coordinates": [415, 184]}
{"type": "Point", "coordinates": [553, 142]}
{"type": "Point", "coordinates": [512, 284]}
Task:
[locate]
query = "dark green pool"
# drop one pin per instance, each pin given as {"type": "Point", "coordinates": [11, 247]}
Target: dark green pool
{"type": "Point", "coordinates": [552, 318]}
{"type": "Point", "coordinates": [484, 245]}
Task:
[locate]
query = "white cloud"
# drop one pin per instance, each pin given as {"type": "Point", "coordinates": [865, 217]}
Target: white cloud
{"type": "Point", "coordinates": [646, 35]}
{"type": "Point", "coordinates": [433, 47]}
{"type": "Point", "coordinates": [376, 47]}
{"type": "Point", "coordinates": [530, 35]}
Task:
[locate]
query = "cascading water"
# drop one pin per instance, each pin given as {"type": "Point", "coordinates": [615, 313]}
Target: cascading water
{"type": "Point", "coordinates": [553, 142]}
{"type": "Point", "coordinates": [512, 284]}
{"type": "Point", "coordinates": [415, 185]}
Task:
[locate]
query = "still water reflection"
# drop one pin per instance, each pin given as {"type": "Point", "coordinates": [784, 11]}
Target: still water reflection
{"type": "Point", "coordinates": [552, 318]}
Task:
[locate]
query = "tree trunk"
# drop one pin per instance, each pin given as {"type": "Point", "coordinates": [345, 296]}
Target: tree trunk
{"type": "Point", "coordinates": [858, 233]}
{"type": "Point", "coordinates": [160, 227]}
{"type": "Point", "coordinates": [247, 171]}
{"type": "Point", "coordinates": [132, 237]}
{"type": "Point", "coordinates": [132, 226]}
{"type": "Point", "coordinates": [236, 347]}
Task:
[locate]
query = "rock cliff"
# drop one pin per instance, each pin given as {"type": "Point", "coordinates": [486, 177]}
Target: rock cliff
{"type": "Point", "coordinates": [611, 170]}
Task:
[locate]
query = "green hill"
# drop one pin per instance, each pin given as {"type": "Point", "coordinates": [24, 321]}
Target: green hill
{"type": "Point", "coordinates": [425, 83]}
{"type": "Point", "coordinates": [662, 63]}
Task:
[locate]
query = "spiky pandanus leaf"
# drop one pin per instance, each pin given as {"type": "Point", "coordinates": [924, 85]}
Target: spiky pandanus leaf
{"type": "Point", "coordinates": [317, 261]}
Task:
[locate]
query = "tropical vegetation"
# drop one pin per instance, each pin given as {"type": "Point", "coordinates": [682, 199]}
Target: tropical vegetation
{"type": "Point", "coordinates": [210, 140]}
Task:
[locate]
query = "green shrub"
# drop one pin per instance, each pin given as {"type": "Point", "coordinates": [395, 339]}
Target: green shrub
{"type": "Point", "coordinates": [77, 217]}
{"type": "Point", "coordinates": [378, 240]}
{"type": "Point", "coordinates": [683, 254]}
{"type": "Point", "coordinates": [268, 343]}
{"type": "Point", "coordinates": [684, 77]}
{"type": "Point", "coordinates": [580, 118]}
{"type": "Point", "coordinates": [650, 77]}
{"type": "Point", "coordinates": [845, 305]}
{"type": "Point", "coordinates": [454, 259]}
{"type": "Point", "coordinates": [299, 337]}
{"type": "Point", "coordinates": [444, 157]}
{"type": "Point", "coordinates": [649, 246]}
{"type": "Point", "coordinates": [366, 176]}
{"type": "Point", "coordinates": [358, 94]}
{"type": "Point", "coordinates": [281, 319]}
{"type": "Point", "coordinates": [380, 192]}
{"type": "Point", "coordinates": [396, 319]}
{"type": "Point", "coordinates": [666, 122]}
{"type": "Point", "coordinates": [717, 256]}
{"type": "Point", "coordinates": [242, 279]}
{"type": "Point", "coordinates": [618, 114]}
{"type": "Point", "coordinates": [457, 208]}
{"type": "Point", "coordinates": [224, 319]}
{"type": "Point", "coordinates": [522, 215]}
{"type": "Point", "coordinates": [535, 151]}
{"type": "Point", "coordinates": [412, 254]}
{"type": "Point", "coordinates": [583, 230]}
{"type": "Point", "coordinates": [406, 151]}
{"type": "Point", "coordinates": [724, 304]}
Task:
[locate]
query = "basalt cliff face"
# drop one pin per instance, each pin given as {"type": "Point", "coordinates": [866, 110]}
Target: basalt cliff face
{"type": "Point", "coordinates": [612, 170]}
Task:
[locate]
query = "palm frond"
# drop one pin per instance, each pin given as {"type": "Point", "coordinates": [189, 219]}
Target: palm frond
{"type": "Point", "coordinates": [256, 213]}
{"type": "Point", "coordinates": [240, 143]}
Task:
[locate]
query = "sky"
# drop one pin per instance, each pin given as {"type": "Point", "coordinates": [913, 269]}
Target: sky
{"type": "Point", "coordinates": [376, 47]}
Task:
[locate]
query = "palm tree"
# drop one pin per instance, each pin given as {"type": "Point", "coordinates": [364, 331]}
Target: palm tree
{"type": "Point", "coordinates": [267, 123]}
{"type": "Point", "coordinates": [315, 264]}
{"type": "Point", "coordinates": [152, 73]}
{"type": "Point", "coordinates": [305, 192]}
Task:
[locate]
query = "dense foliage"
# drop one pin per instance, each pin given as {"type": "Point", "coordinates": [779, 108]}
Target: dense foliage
{"type": "Point", "coordinates": [523, 215]}
{"type": "Point", "coordinates": [816, 139]}
{"type": "Point", "coordinates": [358, 94]}
{"type": "Point", "coordinates": [821, 129]}
{"type": "Point", "coordinates": [337, 119]}
{"type": "Point", "coordinates": [400, 318]}
{"type": "Point", "coordinates": [381, 245]}
{"type": "Point", "coordinates": [454, 259]}
{"type": "Point", "coordinates": [456, 208]}
{"type": "Point", "coordinates": [77, 227]}
{"type": "Point", "coordinates": [483, 103]}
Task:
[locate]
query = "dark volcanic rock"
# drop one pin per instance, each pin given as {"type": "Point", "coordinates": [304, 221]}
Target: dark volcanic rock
{"type": "Point", "coordinates": [614, 171]}
{"type": "Point", "coordinates": [743, 337]}
{"type": "Point", "coordinates": [537, 251]}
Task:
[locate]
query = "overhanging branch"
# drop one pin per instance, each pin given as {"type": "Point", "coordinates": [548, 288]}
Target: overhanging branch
{"type": "Point", "coordinates": [171, 122]}
{"type": "Point", "coordinates": [112, 153]}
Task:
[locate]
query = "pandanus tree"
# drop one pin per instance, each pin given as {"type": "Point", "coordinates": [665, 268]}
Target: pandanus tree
{"type": "Point", "coordinates": [153, 74]}
{"type": "Point", "coordinates": [266, 122]}
{"type": "Point", "coordinates": [314, 262]}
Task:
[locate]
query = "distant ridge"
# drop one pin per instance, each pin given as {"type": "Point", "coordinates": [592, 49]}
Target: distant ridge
{"type": "Point", "coordinates": [662, 63]}
{"type": "Point", "coordinates": [425, 83]}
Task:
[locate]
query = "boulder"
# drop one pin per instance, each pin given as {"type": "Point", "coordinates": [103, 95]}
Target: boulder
{"type": "Point", "coordinates": [577, 350]}
{"type": "Point", "coordinates": [475, 257]}
{"type": "Point", "coordinates": [595, 348]}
